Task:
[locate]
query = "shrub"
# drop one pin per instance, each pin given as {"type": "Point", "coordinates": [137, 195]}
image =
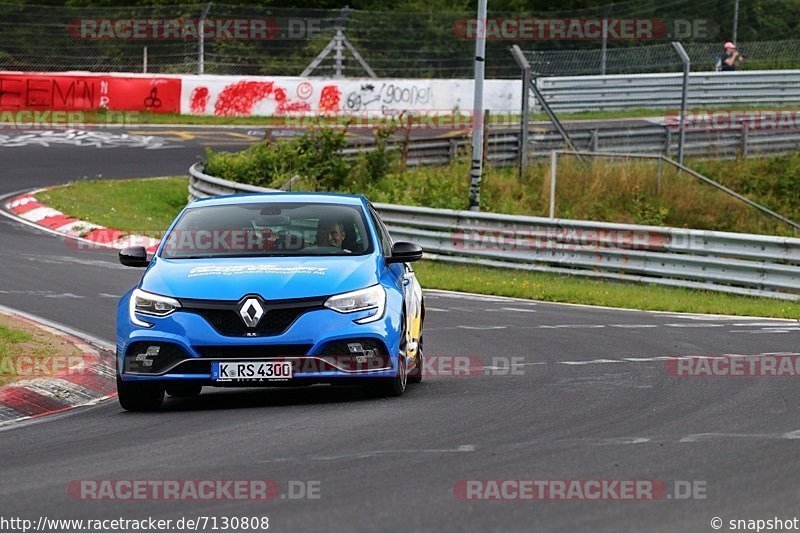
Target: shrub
{"type": "Point", "coordinates": [315, 156]}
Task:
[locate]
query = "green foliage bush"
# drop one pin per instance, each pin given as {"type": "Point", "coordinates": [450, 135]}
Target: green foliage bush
{"type": "Point", "coordinates": [315, 157]}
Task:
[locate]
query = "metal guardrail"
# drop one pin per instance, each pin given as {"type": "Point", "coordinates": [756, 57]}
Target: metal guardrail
{"type": "Point", "coordinates": [638, 136]}
{"type": "Point", "coordinates": [753, 265]}
{"type": "Point", "coordinates": [202, 185]}
{"type": "Point", "coordinates": [569, 94]}
{"type": "Point", "coordinates": [650, 137]}
{"type": "Point", "coordinates": [658, 135]}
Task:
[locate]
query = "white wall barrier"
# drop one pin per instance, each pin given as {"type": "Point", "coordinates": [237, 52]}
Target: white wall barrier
{"type": "Point", "coordinates": [293, 96]}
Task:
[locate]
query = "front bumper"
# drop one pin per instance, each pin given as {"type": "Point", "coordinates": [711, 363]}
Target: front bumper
{"type": "Point", "coordinates": [189, 345]}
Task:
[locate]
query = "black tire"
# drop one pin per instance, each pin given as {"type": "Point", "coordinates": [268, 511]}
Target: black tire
{"type": "Point", "coordinates": [390, 387]}
{"type": "Point", "coordinates": [415, 376]}
{"type": "Point", "coordinates": [139, 396]}
{"type": "Point", "coordinates": [183, 390]}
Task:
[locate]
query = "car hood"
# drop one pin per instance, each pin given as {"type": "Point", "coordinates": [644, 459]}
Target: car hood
{"type": "Point", "coordinates": [271, 277]}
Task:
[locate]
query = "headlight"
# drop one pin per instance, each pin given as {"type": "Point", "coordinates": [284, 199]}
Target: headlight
{"type": "Point", "coordinates": [150, 304]}
{"type": "Point", "coordinates": [372, 298]}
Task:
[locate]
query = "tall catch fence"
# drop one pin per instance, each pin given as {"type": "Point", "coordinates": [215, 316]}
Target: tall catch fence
{"type": "Point", "coordinates": [436, 44]}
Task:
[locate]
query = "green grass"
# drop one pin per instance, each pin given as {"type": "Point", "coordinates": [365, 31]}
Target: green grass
{"type": "Point", "coordinates": [572, 289]}
{"type": "Point", "coordinates": [136, 206]}
{"type": "Point", "coordinates": [12, 343]}
{"type": "Point", "coordinates": [20, 342]}
{"type": "Point", "coordinates": [9, 338]}
{"type": "Point", "coordinates": [609, 190]}
{"type": "Point", "coordinates": [127, 205]}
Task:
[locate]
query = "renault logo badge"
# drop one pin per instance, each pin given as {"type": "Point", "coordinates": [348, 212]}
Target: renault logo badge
{"type": "Point", "coordinates": [251, 312]}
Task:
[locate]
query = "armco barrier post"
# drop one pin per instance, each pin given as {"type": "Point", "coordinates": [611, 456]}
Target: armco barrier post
{"type": "Point", "coordinates": [553, 177]}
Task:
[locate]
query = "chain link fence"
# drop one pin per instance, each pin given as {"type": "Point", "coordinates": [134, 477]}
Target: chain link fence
{"type": "Point", "coordinates": [766, 55]}
{"type": "Point", "coordinates": [393, 44]}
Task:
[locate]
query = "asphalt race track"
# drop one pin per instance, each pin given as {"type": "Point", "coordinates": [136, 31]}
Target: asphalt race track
{"type": "Point", "coordinates": [589, 400]}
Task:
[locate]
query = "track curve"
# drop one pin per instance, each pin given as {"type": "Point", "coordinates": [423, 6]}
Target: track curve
{"type": "Point", "coordinates": [589, 400]}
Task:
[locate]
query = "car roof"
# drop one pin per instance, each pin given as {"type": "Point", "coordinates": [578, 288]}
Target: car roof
{"type": "Point", "coordinates": [273, 197]}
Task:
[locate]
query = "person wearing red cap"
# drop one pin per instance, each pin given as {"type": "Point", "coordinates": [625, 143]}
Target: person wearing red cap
{"type": "Point", "coordinates": [730, 57]}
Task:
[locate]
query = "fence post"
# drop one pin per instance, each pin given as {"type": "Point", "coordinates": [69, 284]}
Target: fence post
{"type": "Point", "coordinates": [658, 177]}
{"type": "Point", "coordinates": [485, 136]}
{"type": "Point", "coordinates": [667, 141]}
{"type": "Point", "coordinates": [745, 137]}
{"type": "Point", "coordinates": [144, 61]}
{"type": "Point", "coordinates": [201, 51]}
{"type": "Point", "coordinates": [525, 67]}
{"type": "Point", "coordinates": [604, 41]}
{"type": "Point", "coordinates": [524, 123]}
{"type": "Point", "coordinates": [406, 141]}
{"type": "Point", "coordinates": [553, 174]}
{"type": "Point", "coordinates": [684, 95]}
{"type": "Point", "coordinates": [476, 167]}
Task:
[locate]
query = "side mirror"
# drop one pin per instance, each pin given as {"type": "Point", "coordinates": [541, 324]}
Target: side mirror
{"type": "Point", "coordinates": [405, 252]}
{"type": "Point", "coordinates": [135, 256]}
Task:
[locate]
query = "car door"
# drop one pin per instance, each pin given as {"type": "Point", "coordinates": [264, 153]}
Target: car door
{"type": "Point", "coordinates": [412, 291]}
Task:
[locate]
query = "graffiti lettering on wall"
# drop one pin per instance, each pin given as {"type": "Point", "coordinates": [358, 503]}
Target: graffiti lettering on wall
{"type": "Point", "coordinates": [387, 97]}
{"type": "Point", "coordinates": [95, 139]}
{"type": "Point", "coordinates": [290, 97]}
{"type": "Point", "coordinates": [330, 99]}
{"type": "Point", "coordinates": [86, 93]}
{"type": "Point", "coordinates": [23, 92]}
{"type": "Point", "coordinates": [239, 99]}
{"type": "Point", "coordinates": [244, 96]}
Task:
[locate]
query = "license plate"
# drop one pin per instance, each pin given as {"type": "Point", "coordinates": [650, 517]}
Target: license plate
{"type": "Point", "coordinates": [251, 370]}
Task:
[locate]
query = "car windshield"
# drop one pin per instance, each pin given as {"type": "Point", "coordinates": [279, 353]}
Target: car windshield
{"type": "Point", "coordinates": [268, 230]}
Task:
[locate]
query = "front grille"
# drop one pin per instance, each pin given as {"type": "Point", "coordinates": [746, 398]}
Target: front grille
{"type": "Point", "coordinates": [257, 352]}
{"type": "Point", "coordinates": [152, 357]}
{"type": "Point", "coordinates": [278, 315]}
{"type": "Point", "coordinates": [229, 323]}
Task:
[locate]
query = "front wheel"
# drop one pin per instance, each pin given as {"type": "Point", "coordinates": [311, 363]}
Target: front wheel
{"type": "Point", "coordinates": [415, 376]}
{"type": "Point", "coordinates": [139, 395]}
{"type": "Point", "coordinates": [389, 387]}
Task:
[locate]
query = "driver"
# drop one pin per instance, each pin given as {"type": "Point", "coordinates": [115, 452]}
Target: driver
{"type": "Point", "coordinates": [331, 233]}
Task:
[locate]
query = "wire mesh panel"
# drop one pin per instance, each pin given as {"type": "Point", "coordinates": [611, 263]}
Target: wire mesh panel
{"type": "Point", "coordinates": [661, 58]}
{"type": "Point", "coordinates": [255, 40]}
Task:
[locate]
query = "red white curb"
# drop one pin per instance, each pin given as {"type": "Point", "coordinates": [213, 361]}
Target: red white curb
{"type": "Point", "coordinates": [91, 379]}
{"type": "Point", "coordinates": [28, 208]}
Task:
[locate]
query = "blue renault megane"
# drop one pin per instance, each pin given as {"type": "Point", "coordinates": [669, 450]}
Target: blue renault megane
{"type": "Point", "coordinates": [273, 289]}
